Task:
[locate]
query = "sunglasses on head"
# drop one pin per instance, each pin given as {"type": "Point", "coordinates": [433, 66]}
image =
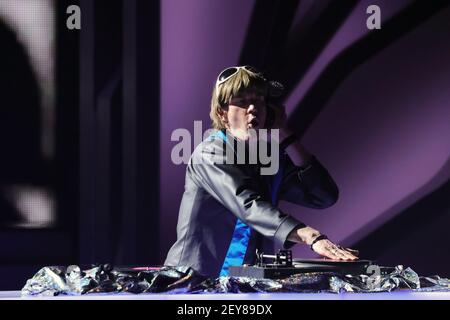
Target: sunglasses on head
{"type": "Point", "coordinates": [229, 72]}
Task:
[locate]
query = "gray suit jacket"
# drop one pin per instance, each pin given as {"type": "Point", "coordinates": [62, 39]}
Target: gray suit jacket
{"type": "Point", "coordinates": [221, 198]}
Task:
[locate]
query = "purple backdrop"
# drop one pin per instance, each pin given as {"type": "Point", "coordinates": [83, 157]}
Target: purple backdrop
{"type": "Point", "coordinates": [384, 135]}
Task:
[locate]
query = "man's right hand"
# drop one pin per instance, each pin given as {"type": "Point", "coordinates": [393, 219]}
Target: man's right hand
{"type": "Point", "coordinates": [279, 114]}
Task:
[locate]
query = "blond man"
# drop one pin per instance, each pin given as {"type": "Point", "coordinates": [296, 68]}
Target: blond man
{"type": "Point", "coordinates": [229, 209]}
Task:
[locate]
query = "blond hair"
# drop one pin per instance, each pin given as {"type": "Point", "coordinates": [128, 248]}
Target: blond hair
{"type": "Point", "coordinates": [239, 82]}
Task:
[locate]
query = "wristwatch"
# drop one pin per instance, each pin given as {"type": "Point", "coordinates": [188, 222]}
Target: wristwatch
{"type": "Point", "coordinates": [321, 237]}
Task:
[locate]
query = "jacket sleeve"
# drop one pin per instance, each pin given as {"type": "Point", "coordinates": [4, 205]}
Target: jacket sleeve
{"type": "Point", "coordinates": [309, 185]}
{"type": "Point", "coordinates": [241, 195]}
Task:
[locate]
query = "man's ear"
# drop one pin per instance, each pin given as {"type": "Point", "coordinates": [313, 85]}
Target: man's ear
{"type": "Point", "coordinates": [223, 115]}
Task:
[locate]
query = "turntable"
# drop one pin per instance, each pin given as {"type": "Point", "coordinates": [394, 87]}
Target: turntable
{"type": "Point", "coordinates": [282, 265]}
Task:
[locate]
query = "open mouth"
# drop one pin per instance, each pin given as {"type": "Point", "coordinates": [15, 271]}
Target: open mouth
{"type": "Point", "coordinates": [254, 123]}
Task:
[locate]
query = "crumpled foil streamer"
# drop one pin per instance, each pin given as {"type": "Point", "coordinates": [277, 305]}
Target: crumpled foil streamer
{"type": "Point", "coordinates": [76, 280]}
{"type": "Point", "coordinates": [400, 278]}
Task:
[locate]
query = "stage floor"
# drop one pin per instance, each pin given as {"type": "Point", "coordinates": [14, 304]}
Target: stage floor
{"type": "Point", "coordinates": [396, 295]}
